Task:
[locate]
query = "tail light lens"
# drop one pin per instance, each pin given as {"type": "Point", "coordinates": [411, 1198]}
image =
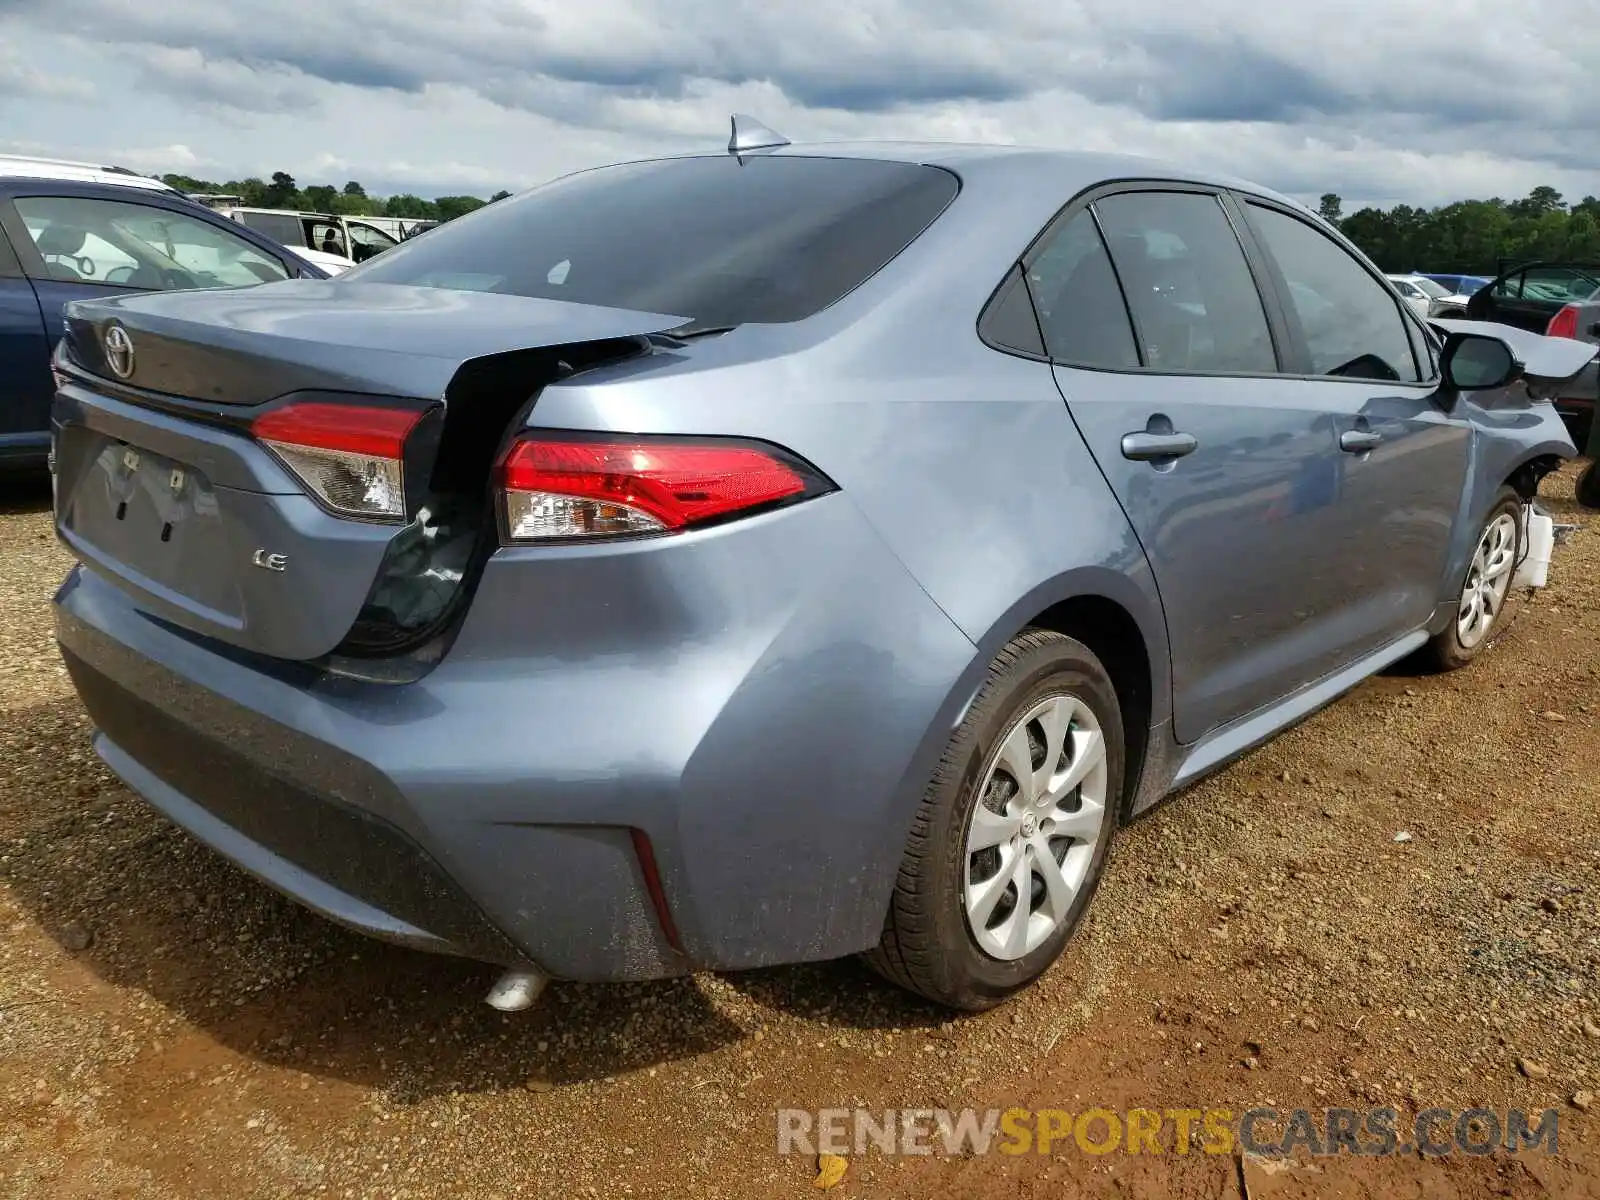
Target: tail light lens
{"type": "Point", "coordinates": [1564, 324]}
{"type": "Point", "coordinates": [556, 488]}
{"type": "Point", "coordinates": [352, 456]}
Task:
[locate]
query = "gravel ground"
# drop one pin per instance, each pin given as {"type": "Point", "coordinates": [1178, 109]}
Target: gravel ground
{"type": "Point", "coordinates": [170, 1028]}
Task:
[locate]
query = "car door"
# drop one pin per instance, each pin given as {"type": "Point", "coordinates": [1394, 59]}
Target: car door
{"type": "Point", "coordinates": [79, 247]}
{"type": "Point", "coordinates": [1165, 354]}
{"type": "Point", "coordinates": [75, 247]}
{"type": "Point", "coordinates": [1529, 296]}
{"type": "Point", "coordinates": [1403, 459]}
{"type": "Point", "coordinates": [25, 382]}
{"type": "Point", "coordinates": [366, 240]}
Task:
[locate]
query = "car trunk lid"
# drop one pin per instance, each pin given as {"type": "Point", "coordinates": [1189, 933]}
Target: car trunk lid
{"type": "Point", "coordinates": [163, 488]}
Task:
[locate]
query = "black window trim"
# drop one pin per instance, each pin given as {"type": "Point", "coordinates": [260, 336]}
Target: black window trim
{"type": "Point", "coordinates": [1428, 376]}
{"type": "Point", "coordinates": [1288, 347]}
{"type": "Point", "coordinates": [1016, 276]}
{"type": "Point", "coordinates": [33, 264]}
{"type": "Point", "coordinates": [1084, 201]}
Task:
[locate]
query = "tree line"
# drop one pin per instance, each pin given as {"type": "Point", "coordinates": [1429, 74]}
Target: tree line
{"type": "Point", "coordinates": [1469, 237]}
{"type": "Point", "coordinates": [1473, 237]}
{"type": "Point", "coordinates": [352, 200]}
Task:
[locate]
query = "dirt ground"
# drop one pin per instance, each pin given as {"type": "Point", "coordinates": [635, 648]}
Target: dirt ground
{"type": "Point", "coordinates": [170, 1028]}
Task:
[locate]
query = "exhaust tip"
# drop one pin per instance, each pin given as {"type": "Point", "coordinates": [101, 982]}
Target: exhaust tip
{"type": "Point", "coordinates": [517, 990]}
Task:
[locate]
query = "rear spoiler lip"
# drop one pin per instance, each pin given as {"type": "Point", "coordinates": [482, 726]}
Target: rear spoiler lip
{"type": "Point", "coordinates": [250, 345]}
{"type": "Point", "coordinates": [1547, 359]}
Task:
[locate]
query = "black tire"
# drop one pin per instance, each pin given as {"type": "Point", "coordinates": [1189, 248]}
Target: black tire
{"type": "Point", "coordinates": [1588, 489]}
{"type": "Point", "coordinates": [927, 945]}
{"type": "Point", "coordinates": [1445, 652]}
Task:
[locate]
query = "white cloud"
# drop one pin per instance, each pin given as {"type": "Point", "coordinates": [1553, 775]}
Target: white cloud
{"type": "Point", "coordinates": [1385, 100]}
{"type": "Point", "coordinates": [21, 81]}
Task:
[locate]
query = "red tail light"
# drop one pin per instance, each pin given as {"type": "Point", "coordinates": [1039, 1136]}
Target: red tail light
{"type": "Point", "coordinates": [599, 487]}
{"type": "Point", "coordinates": [351, 455]}
{"type": "Point", "coordinates": [1564, 324]}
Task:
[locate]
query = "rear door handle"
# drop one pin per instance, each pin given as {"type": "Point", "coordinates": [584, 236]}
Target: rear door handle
{"type": "Point", "coordinates": [1358, 441]}
{"type": "Point", "coordinates": [1145, 446]}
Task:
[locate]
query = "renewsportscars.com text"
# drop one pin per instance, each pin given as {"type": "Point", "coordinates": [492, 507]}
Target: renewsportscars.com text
{"type": "Point", "coordinates": [1220, 1131]}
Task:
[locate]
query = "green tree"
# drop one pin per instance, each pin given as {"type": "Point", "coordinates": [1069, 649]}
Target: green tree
{"type": "Point", "coordinates": [407, 205]}
{"type": "Point", "coordinates": [502, 195]}
{"type": "Point", "coordinates": [1541, 202]}
{"type": "Point", "coordinates": [321, 198]}
{"type": "Point", "coordinates": [451, 207]}
{"type": "Point", "coordinates": [354, 189]}
{"type": "Point", "coordinates": [1330, 207]}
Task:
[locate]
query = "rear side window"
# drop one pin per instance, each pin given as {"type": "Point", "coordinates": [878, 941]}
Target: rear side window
{"type": "Point", "coordinates": [718, 241]}
{"type": "Point", "coordinates": [1079, 303]}
{"type": "Point", "coordinates": [1352, 323]}
{"type": "Point", "coordinates": [1189, 287]}
{"type": "Point", "coordinates": [283, 228]}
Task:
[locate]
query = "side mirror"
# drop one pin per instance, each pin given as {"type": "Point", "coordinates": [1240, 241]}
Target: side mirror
{"type": "Point", "coordinates": [1476, 362]}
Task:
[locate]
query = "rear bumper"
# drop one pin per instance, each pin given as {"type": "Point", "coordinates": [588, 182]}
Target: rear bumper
{"type": "Point", "coordinates": [765, 706]}
{"type": "Point", "coordinates": [168, 741]}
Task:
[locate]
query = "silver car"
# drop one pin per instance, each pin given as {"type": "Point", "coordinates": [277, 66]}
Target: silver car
{"type": "Point", "coordinates": [750, 558]}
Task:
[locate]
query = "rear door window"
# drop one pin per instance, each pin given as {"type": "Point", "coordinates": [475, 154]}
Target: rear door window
{"type": "Point", "coordinates": [716, 240]}
{"type": "Point", "coordinates": [1194, 301]}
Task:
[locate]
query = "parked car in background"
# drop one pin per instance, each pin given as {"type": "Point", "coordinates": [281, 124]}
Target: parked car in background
{"type": "Point", "coordinates": [1577, 401]}
{"type": "Point", "coordinates": [732, 560]}
{"type": "Point", "coordinates": [1460, 285]}
{"type": "Point", "coordinates": [1533, 296]}
{"type": "Point", "coordinates": [69, 231]}
{"type": "Point", "coordinates": [1427, 298]}
{"type": "Point", "coordinates": [400, 228]}
{"type": "Point", "coordinates": [1529, 295]}
{"type": "Point", "coordinates": [353, 239]}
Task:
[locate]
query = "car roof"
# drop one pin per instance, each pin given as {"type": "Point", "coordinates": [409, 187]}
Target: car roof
{"type": "Point", "coordinates": [1074, 170]}
{"type": "Point", "coordinates": [1058, 172]}
{"type": "Point", "coordinates": [16, 166]}
{"type": "Point", "coordinates": [281, 212]}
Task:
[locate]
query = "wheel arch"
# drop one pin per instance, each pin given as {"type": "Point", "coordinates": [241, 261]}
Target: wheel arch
{"type": "Point", "coordinates": [1120, 618]}
{"type": "Point", "coordinates": [1524, 478]}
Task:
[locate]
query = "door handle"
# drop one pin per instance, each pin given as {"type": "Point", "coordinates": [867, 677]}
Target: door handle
{"type": "Point", "coordinates": [1145, 446]}
{"type": "Point", "coordinates": [1358, 441]}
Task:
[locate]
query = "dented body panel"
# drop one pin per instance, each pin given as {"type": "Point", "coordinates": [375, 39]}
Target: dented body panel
{"type": "Point", "coordinates": [763, 701]}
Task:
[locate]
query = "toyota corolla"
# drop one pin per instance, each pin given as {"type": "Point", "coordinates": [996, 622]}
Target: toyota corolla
{"type": "Point", "coordinates": [751, 558]}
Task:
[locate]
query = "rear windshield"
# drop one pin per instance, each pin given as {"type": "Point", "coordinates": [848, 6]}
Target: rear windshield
{"type": "Point", "coordinates": [714, 240]}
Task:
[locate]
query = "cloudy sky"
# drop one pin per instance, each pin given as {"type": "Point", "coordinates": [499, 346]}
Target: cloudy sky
{"type": "Point", "coordinates": [1379, 100]}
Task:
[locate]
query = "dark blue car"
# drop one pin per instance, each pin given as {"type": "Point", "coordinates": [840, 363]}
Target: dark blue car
{"type": "Point", "coordinates": [65, 236]}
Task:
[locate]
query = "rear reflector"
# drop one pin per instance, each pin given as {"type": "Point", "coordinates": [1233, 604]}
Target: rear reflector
{"type": "Point", "coordinates": [350, 455]}
{"type": "Point", "coordinates": [1564, 324]}
{"type": "Point", "coordinates": [560, 488]}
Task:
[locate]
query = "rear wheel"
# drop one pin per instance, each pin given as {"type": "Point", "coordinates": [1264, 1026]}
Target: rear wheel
{"type": "Point", "coordinates": [1012, 834]}
{"type": "Point", "coordinates": [1482, 602]}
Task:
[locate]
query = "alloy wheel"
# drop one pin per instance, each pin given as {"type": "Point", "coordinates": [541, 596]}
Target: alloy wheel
{"type": "Point", "coordinates": [1488, 581]}
{"type": "Point", "coordinates": [1040, 814]}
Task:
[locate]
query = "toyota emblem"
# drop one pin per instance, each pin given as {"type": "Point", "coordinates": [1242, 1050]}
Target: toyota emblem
{"type": "Point", "coordinates": [119, 351]}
